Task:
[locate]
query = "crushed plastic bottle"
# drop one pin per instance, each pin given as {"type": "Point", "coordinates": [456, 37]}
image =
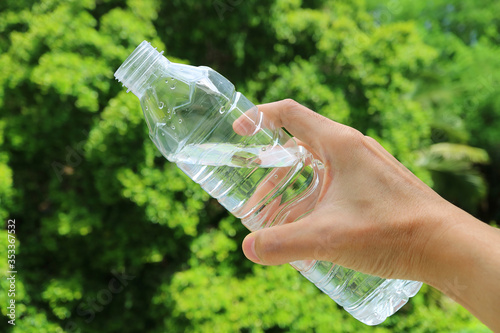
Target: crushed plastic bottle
{"type": "Point", "coordinates": [216, 136]}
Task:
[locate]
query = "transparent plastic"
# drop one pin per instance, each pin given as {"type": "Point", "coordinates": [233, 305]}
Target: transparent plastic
{"type": "Point", "coordinates": [256, 171]}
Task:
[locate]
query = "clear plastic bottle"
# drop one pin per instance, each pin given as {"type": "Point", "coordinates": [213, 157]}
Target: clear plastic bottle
{"type": "Point", "coordinates": [256, 171]}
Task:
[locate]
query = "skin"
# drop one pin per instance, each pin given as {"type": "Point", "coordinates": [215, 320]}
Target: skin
{"type": "Point", "coordinates": [376, 217]}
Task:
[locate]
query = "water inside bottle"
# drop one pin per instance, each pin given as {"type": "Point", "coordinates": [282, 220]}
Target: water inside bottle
{"type": "Point", "coordinates": [237, 156]}
{"type": "Point", "coordinates": [252, 181]}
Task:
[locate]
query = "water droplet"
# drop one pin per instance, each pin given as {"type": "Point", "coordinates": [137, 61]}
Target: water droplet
{"type": "Point", "coordinates": [173, 112]}
{"type": "Point", "coordinates": [275, 176]}
{"type": "Point", "coordinates": [162, 134]}
{"type": "Point", "coordinates": [168, 111]}
{"type": "Point", "coordinates": [264, 148]}
{"type": "Point", "coordinates": [147, 108]}
{"type": "Point", "coordinates": [173, 127]}
{"type": "Point", "coordinates": [169, 116]}
{"type": "Point", "coordinates": [171, 79]}
{"type": "Point", "coordinates": [180, 121]}
{"type": "Point", "coordinates": [172, 87]}
{"type": "Point", "coordinates": [161, 105]}
{"type": "Point", "coordinates": [222, 110]}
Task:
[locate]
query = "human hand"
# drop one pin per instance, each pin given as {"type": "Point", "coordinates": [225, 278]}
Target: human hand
{"type": "Point", "coordinates": [373, 214]}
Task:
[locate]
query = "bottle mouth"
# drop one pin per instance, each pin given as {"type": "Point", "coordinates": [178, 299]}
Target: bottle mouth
{"type": "Point", "coordinates": [136, 69]}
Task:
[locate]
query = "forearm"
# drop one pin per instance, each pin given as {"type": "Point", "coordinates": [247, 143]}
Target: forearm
{"type": "Point", "coordinates": [464, 263]}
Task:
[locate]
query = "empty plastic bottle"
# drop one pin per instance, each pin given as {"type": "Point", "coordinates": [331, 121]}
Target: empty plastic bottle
{"type": "Point", "coordinates": [256, 171]}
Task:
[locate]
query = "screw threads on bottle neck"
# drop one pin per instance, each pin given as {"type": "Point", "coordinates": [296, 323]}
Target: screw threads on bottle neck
{"type": "Point", "coordinates": [137, 68]}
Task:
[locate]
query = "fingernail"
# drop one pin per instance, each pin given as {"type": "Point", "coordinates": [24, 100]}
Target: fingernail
{"type": "Point", "coordinates": [249, 249]}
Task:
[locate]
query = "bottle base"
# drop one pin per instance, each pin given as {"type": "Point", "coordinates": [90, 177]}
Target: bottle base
{"type": "Point", "coordinates": [367, 298]}
{"type": "Point", "coordinates": [384, 301]}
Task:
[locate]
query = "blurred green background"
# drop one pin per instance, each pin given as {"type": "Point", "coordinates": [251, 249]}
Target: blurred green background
{"type": "Point", "coordinates": [113, 238]}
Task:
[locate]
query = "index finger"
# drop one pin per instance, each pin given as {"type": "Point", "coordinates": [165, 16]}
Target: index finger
{"type": "Point", "coordinates": [303, 123]}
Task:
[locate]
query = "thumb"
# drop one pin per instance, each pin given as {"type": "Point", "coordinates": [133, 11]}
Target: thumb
{"type": "Point", "coordinates": [281, 244]}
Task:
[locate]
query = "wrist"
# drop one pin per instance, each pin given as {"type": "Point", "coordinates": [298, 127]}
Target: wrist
{"type": "Point", "coordinates": [464, 263]}
{"type": "Point", "coordinates": [456, 252]}
{"type": "Point", "coordinates": [447, 252]}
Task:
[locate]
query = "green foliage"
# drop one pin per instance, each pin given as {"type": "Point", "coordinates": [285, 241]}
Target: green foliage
{"type": "Point", "coordinates": [453, 170]}
{"type": "Point", "coordinates": [461, 88]}
{"type": "Point", "coordinates": [6, 191]}
{"type": "Point", "coordinates": [359, 74]}
{"type": "Point", "coordinates": [92, 196]}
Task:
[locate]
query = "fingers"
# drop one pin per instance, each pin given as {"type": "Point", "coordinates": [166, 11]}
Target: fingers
{"type": "Point", "coordinates": [281, 244]}
{"type": "Point", "coordinates": [303, 123]}
{"type": "Point", "coordinates": [248, 123]}
{"type": "Point", "coordinates": [323, 137]}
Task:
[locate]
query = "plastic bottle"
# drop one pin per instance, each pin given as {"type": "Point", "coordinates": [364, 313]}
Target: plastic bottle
{"type": "Point", "coordinates": [257, 172]}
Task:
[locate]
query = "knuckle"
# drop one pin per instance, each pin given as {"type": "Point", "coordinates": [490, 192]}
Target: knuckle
{"type": "Point", "coordinates": [290, 103]}
{"type": "Point", "coordinates": [352, 136]}
{"type": "Point", "coordinates": [369, 140]}
{"type": "Point", "coordinates": [291, 112]}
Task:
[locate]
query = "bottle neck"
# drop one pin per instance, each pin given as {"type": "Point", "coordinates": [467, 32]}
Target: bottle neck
{"type": "Point", "coordinates": [137, 69]}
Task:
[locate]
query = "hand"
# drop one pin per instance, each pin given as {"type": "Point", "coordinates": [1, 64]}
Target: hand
{"type": "Point", "coordinates": [374, 216]}
{"type": "Point", "coordinates": [370, 215]}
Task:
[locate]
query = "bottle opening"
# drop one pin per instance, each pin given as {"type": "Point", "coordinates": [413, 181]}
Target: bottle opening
{"type": "Point", "coordinates": [137, 68]}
